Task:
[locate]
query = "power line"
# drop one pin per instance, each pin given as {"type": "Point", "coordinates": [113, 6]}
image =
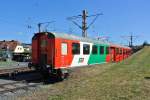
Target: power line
{"type": "Point", "coordinates": [84, 26]}
{"type": "Point", "coordinates": [40, 25]}
{"type": "Point", "coordinates": [130, 39]}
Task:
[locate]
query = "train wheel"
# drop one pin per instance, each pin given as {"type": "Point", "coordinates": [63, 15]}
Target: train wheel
{"type": "Point", "coordinates": [62, 74]}
{"type": "Point", "coordinates": [44, 74]}
{"type": "Point", "coordinates": [29, 65]}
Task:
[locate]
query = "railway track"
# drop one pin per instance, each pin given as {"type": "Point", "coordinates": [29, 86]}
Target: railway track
{"type": "Point", "coordinates": [12, 87]}
{"type": "Point", "coordinates": [14, 80]}
{"type": "Point", "coordinates": [13, 71]}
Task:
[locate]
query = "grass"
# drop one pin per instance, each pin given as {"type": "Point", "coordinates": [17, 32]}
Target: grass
{"type": "Point", "coordinates": [127, 80]}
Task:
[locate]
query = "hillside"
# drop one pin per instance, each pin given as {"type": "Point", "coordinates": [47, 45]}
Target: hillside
{"type": "Point", "coordinates": [128, 80]}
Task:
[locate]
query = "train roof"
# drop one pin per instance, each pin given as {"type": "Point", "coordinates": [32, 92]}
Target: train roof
{"type": "Point", "coordinates": [74, 37]}
{"type": "Point", "coordinates": [83, 39]}
{"type": "Point", "coordinates": [118, 45]}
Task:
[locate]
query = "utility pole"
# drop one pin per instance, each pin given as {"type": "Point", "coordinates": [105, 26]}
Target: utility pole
{"type": "Point", "coordinates": [84, 26]}
{"type": "Point", "coordinates": [130, 39]}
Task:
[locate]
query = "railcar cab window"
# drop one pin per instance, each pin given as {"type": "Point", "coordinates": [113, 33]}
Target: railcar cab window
{"type": "Point", "coordinates": [86, 48]}
{"type": "Point", "coordinates": [107, 50]}
{"type": "Point", "coordinates": [64, 48]}
{"type": "Point", "coordinates": [43, 43]}
{"type": "Point", "coordinates": [75, 48]}
{"type": "Point", "coordinates": [101, 50]}
{"type": "Point", "coordinates": [94, 49]}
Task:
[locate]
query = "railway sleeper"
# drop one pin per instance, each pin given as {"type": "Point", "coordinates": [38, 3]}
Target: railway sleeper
{"type": "Point", "coordinates": [26, 88]}
{"type": "Point", "coordinates": [13, 74]}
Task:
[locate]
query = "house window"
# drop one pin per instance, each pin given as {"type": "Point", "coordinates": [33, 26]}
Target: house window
{"type": "Point", "coordinates": [86, 48]}
{"type": "Point", "coordinates": [75, 48]}
{"type": "Point", "coordinates": [101, 50]}
{"type": "Point", "coordinates": [64, 49]}
{"type": "Point", "coordinates": [94, 49]}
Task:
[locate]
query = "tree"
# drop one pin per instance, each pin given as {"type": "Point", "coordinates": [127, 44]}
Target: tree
{"type": "Point", "coordinates": [145, 43]}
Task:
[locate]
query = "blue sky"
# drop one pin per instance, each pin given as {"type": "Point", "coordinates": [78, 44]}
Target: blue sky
{"type": "Point", "coordinates": [121, 18]}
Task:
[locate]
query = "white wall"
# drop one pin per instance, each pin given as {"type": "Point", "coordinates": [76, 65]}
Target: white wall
{"type": "Point", "coordinates": [19, 49]}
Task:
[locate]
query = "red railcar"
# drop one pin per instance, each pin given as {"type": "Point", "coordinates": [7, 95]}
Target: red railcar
{"type": "Point", "coordinates": [55, 53]}
{"type": "Point", "coordinates": [118, 53]}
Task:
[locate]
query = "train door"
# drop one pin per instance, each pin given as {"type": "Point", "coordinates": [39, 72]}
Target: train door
{"type": "Point", "coordinates": [64, 53]}
{"type": "Point", "coordinates": [124, 53]}
{"type": "Point", "coordinates": [43, 51]}
{"type": "Point", "coordinates": [43, 59]}
{"type": "Point", "coordinates": [121, 54]}
{"type": "Point", "coordinates": [112, 52]}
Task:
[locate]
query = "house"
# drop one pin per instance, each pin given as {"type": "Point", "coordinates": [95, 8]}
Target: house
{"type": "Point", "coordinates": [9, 45]}
{"type": "Point", "coordinates": [7, 48]}
{"type": "Point", "coordinates": [22, 52]}
{"type": "Point", "coordinates": [19, 51]}
{"type": "Point", "coordinates": [27, 47]}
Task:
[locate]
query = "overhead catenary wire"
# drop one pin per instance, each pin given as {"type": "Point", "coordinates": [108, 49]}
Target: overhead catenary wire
{"type": "Point", "coordinates": [130, 39]}
{"type": "Point", "coordinates": [40, 24]}
{"type": "Point", "coordinates": [84, 27]}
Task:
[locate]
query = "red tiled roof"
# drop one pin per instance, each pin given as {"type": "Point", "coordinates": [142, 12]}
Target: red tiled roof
{"type": "Point", "coordinates": [11, 45]}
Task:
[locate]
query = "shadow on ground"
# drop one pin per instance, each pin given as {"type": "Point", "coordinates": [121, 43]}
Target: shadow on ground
{"type": "Point", "coordinates": [31, 77]}
{"type": "Point", "coordinates": [148, 78]}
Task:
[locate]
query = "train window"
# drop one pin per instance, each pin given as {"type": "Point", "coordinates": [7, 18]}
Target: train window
{"type": "Point", "coordinates": [124, 52]}
{"type": "Point", "coordinates": [107, 50]}
{"type": "Point", "coordinates": [127, 51]}
{"type": "Point", "coordinates": [101, 50]}
{"type": "Point", "coordinates": [120, 51]}
{"type": "Point", "coordinates": [117, 50]}
{"type": "Point", "coordinates": [86, 48]}
{"type": "Point", "coordinates": [64, 49]}
{"type": "Point", "coordinates": [43, 43]}
{"type": "Point", "coordinates": [75, 48]}
{"type": "Point", "coordinates": [94, 49]}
